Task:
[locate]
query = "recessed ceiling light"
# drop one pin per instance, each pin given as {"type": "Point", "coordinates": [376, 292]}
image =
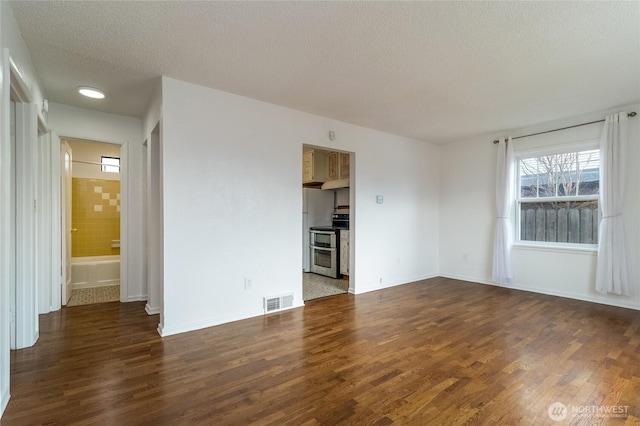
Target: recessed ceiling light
{"type": "Point", "coordinates": [91, 92]}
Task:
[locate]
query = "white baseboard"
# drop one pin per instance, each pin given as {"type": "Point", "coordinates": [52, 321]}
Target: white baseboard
{"type": "Point", "coordinates": [4, 400]}
{"type": "Point", "coordinates": [137, 298]}
{"type": "Point", "coordinates": [151, 311]}
{"type": "Point", "coordinates": [556, 293]}
{"type": "Point", "coordinates": [382, 286]}
{"type": "Point", "coordinates": [469, 279]}
{"type": "Point", "coordinates": [584, 298]}
{"type": "Point", "coordinates": [210, 322]}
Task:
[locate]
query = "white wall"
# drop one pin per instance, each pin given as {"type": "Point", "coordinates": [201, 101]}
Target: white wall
{"type": "Point", "coordinates": [5, 227]}
{"type": "Point", "coordinates": [153, 238]}
{"type": "Point", "coordinates": [154, 111]}
{"type": "Point", "coordinates": [17, 53]}
{"type": "Point", "coordinates": [20, 56]}
{"type": "Point", "coordinates": [152, 182]}
{"type": "Point", "coordinates": [395, 242]}
{"type": "Point", "coordinates": [91, 152]}
{"type": "Point", "coordinates": [343, 197]}
{"type": "Point", "coordinates": [125, 131]}
{"type": "Point", "coordinates": [467, 209]}
{"type": "Point", "coordinates": [232, 176]}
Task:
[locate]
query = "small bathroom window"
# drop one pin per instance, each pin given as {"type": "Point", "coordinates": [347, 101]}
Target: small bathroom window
{"type": "Point", "coordinates": [110, 164]}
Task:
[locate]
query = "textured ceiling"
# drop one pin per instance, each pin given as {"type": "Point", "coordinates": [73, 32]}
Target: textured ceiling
{"type": "Point", "coordinates": [434, 71]}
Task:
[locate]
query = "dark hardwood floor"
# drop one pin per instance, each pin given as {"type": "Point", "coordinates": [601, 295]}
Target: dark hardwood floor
{"type": "Point", "coordinates": [436, 352]}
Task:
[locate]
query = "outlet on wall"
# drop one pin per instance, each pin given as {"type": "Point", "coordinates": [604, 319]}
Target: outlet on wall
{"type": "Point", "coordinates": [248, 285]}
{"type": "Point", "coordinates": [465, 257]}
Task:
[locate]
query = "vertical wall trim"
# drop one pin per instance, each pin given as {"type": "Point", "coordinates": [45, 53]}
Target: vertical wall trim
{"type": "Point", "coordinates": [124, 221]}
{"type": "Point", "coordinates": [154, 223]}
{"type": "Point", "coordinates": [43, 212]}
{"type": "Point", "coordinates": [26, 226]}
{"type": "Point", "coordinates": [56, 224]}
{"type": "Point", "coordinates": [5, 230]}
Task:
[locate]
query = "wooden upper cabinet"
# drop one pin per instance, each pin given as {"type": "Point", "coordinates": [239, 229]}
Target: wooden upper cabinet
{"type": "Point", "coordinates": [337, 165]}
{"type": "Point", "coordinates": [313, 167]}
{"type": "Point", "coordinates": [344, 165]}
{"type": "Point", "coordinates": [320, 166]}
{"type": "Point", "coordinates": [307, 166]}
{"type": "Point", "coordinates": [333, 166]}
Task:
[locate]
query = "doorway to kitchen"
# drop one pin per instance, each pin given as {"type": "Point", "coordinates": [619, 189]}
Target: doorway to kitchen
{"type": "Point", "coordinates": [327, 222]}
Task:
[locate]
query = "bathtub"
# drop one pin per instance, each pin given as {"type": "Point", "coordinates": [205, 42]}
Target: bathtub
{"type": "Point", "coordinates": [95, 271]}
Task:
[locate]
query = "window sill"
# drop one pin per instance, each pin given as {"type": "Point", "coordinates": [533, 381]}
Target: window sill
{"type": "Point", "coordinates": [589, 250]}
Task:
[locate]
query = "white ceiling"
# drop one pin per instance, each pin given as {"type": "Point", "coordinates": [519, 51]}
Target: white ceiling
{"type": "Point", "coordinates": [434, 71]}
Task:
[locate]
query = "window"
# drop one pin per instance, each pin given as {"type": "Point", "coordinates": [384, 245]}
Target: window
{"type": "Point", "coordinates": [110, 164]}
{"type": "Point", "coordinates": [557, 197]}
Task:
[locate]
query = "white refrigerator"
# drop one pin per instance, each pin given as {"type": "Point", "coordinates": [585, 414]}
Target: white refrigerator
{"type": "Point", "coordinates": [317, 209]}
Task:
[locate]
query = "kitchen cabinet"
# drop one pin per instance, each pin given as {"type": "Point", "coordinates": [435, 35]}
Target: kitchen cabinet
{"type": "Point", "coordinates": [337, 165]}
{"type": "Point", "coordinates": [314, 167]}
{"type": "Point", "coordinates": [332, 166]}
{"type": "Point", "coordinates": [345, 163]}
{"type": "Point", "coordinates": [344, 251]}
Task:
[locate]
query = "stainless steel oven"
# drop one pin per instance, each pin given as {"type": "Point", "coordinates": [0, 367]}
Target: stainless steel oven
{"type": "Point", "coordinates": [324, 251]}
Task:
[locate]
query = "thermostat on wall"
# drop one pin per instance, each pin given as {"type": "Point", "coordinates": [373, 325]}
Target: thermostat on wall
{"type": "Point", "coordinates": [379, 199]}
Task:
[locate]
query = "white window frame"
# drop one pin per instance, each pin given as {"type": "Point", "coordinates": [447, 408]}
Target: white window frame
{"type": "Point", "coordinates": [107, 167]}
{"type": "Point", "coordinates": [540, 152]}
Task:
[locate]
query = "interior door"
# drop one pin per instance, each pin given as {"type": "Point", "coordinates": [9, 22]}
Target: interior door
{"type": "Point", "coordinates": [66, 220]}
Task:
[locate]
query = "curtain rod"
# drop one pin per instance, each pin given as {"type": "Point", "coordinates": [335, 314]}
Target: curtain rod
{"type": "Point", "coordinates": [94, 163]}
{"type": "Point", "coordinates": [631, 114]}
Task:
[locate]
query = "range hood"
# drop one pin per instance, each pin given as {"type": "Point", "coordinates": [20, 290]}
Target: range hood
{"type": "Point", "coordinates": [336, 184]}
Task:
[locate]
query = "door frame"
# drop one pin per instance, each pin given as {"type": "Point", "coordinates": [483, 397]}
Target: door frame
{"type": "Point", "coordinates": [66, 192]}
{"type": "Point", "coordinates": [27, 268]}
{"type": "Point", "coordinates": [18, 306]}
{"type": "Point", "coordinates": [6, 282]}
{"type": "Point", "coordinates": [352, 208]}
{"type": "Point", "coordinates": [153, 218]}
{"type": "Point", "coordinates": [124, 209]}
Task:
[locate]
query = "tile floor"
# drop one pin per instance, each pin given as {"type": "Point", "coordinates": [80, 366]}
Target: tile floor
{"type": "Point", "coordinates": [315, 286]}
{"type": "Point", "coordinates": [88, 296]}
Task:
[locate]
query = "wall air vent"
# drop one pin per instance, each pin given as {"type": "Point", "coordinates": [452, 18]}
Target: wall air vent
{"type": "Point", "coordinates": [277, 303]}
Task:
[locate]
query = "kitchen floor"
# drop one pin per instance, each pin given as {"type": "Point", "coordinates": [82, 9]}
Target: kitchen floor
{"type": "Point", "coordinates": [315, 286]}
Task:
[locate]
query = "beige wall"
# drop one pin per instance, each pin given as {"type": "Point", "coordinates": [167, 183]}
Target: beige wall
{"type": "Point", "coordinates": [92, 152]}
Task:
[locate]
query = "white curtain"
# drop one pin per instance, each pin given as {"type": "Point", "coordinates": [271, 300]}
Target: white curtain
{"type": "Point", "coordinates": [502, 270]}
{"type": "Point", "coordinates": [612, 274]}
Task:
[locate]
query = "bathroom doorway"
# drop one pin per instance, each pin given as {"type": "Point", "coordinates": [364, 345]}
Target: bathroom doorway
{"type": "Point", "coordinates": [92, 218]}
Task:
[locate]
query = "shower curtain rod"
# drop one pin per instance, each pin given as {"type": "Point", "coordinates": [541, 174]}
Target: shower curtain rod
{"type": "Point", "coordinates": [631, 114]}
{"type": "Point", "coordinates": [94, 163]}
